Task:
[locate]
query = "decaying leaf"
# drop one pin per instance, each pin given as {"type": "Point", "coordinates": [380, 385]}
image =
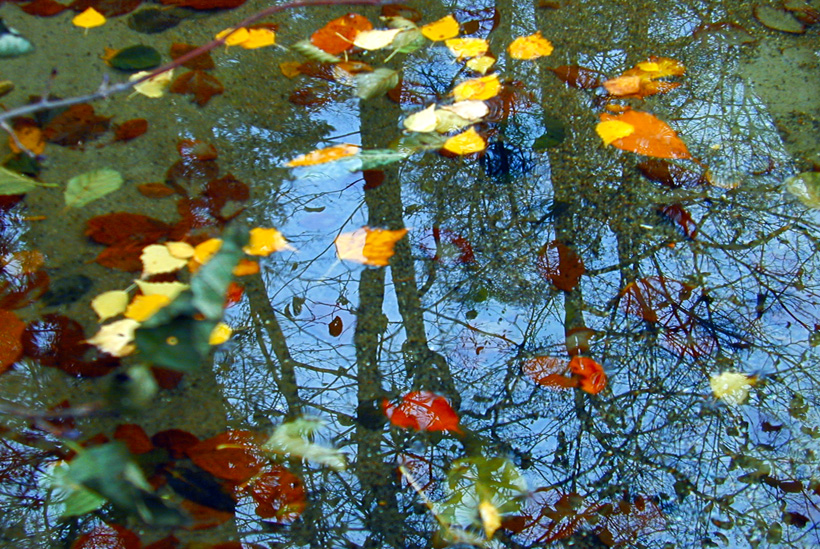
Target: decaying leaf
{"type": "Point", "coordinates": [321, 156]}
{"type": "Point", "coordinates": [117, 338]}
{"type": "Point", "coordinates": [368, 246]}
{"type": "Point", "coordinates": [530, 47]}
{"type": "Point", "coordinates": [374, 84]}
{"type": "Point", "coordinates": [202, 85]}
{"type": "Point", "coordinates": [11, 332]}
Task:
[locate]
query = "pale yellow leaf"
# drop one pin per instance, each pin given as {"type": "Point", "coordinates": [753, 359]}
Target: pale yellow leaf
{"type": "Point", "coordinates": [423, 121]}
{"type": "Point", "coordinates": [181, 250]}
{"type": "Point", "coordinates": [169, 289]}
{"type": "Point", "coordinates": [110, 304]}
{"type": "Point", "coordinates": [143, 307]}
{"type": "Point", "coordinates": [116, 338]}
{"type": "Point", "coordinates": [467, 142]}
{"type": "Point", "coordinates": [481, 64]}
{"type": "Point", "coordinates": [464, 48]}
{"type": "Point", "coordinates": [220, 334]}
{"type": "Point", "coordinates": [156, 259]}
{"type": "Point", "coordinates": [265, 241]}
{"type": "Point", "coordinates": [444, 28]}
{"type": "Point", "coordinates": [153, 87]}
{"type": "Point", "coordinates": [375, 39]}
{"type": "Point", "coordinates": [612, 130]}
{"type": "Point", "coordinates": [490, 518]}
{"type": "Point", "coordinates": [449, 121]}
{"type": "Point", "coordinates": [481, 88]}
{"type": "Point", "coordinates": [471, 110]}
{"type": "Point", "coordinates": [731, 387]}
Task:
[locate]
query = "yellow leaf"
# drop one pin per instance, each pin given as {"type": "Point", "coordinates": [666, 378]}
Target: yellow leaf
{"type": "Point", "coordinates": [611, 130]}
{"type": "Point", "coordinates": [258, 38]}
{"type": "Point", "coordinates": [530, 47]}
{"type": "Point", "coordinates": [490, 517]}
{"type": "Point", "coordinates": [180, 250]}
{"type": "Point", "coordinates": [368, 246]}
{"type": "Point", "coordinates": [169, 289]}
{"type": "Point", "coordinates": [204, 251]}
{"type": "Point", "coordinates": [116, 338]}
{"type": "Point", "coordinates": [31, 137]}
{"type": "Point", "coordinates": [110, 304]}
{"type": "Point", "coordinates": [321, 156]}
{"type": "Point", "coordinates": [481, 88]}
{"type": "Point", "coordinates": [154, 86]}
{"type": "Point", "coordinates": [652, 136]}
{"type": "Point", "coordinates": [157, 259]}
{"type": "Point", "coordinates": [143, 307]}
{"type": "Point", "coordinates": [642, 79]}
{"type": "Point", "coordinates": [465, 48]}
{"type": "Point", "coordinates": [422, 121]}
{"type": "Point", "coordinates": [465, 143]}
{"type": "Point", "coordinates": [375, 39]}
{"type": "Point", "coordinates": [731, 387]}
{"type": "Point", "coordinates": [265, 241]}
{"type": "Point", "coordinates": [220, 334]}
{"type": "Point", "coordinates": [88, 19]}
{"type": "Point", "coordinates": [481, 64]}
{"type": "Point", "coordinates": [234, 39]}
{"type": "Point", "coordinates": [444, 28]}
{"type": "Point", "coordinates": [290, 68]}
{"type": "Point", "coordinates": [246, 267]}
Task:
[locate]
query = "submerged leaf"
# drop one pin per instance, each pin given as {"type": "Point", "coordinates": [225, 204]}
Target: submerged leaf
{"type": "Point", "coordinates": [422, 411]}
{"type": "Point", "coordinates": [806, 187]}
{"type": "Point", "coordinates": [376, 83]}
{"type": "Point", "coordinates": [202, 85]}
{"type": "Point", "coordinates": [90, 186]}
{"type": "Point", "coordinates": [15, 183]}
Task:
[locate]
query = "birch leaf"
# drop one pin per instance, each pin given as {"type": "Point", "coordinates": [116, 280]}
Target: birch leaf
{"type": "Point", "coordinates": [375, 39]}
{"type": "Point", "coordinates": [110, 304]}
{"type": "Point", "coordinates": [422, 121]}
{"type": "Point", "coordinates": [90, 186]}
{"type": "Point", "coordinates": [375, 158]}
{"type": "Point", "coordinates": [15, 183]}
{"type": "Point", "coordinates": [465, 48]}
{"type": "Point", "coordinates": [168, 289]}
{"type": "Point", "coordinates": [88, 19]}
{"type": "Point", "coordinates": [322, 156]}
{"type": "Point", "coordinates": [443, 29]}
{"type": "Point", "coordinates": [467, 142]}
{"type": "Point", "coordinates": [530, 47]}
{"type": "Point", "coordinates": [117, 338]}
{"type": "Point", "coordinates": [156, 259]}
{"type": "Point", "coordinates": [155, 86]}
{"type": "Point", "coordinates": [481, 88]}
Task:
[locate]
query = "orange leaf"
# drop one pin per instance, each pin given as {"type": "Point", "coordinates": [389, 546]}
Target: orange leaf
{"type": "Point", "coordinates": [560, 265]}
{"type": "Point", "coordinates": [338, 35]}
{"type": "Point", "coordinates": [231, 455]}
{"type": "Point", "coordinates": [134, 437]}
{"type": "Point", "coordinates": [322, 156]}
{"type": "Point", "coordinates": [530, 47]}
{"type": "Point", "coordinates": [593, 378]}
{"type": "Point", "coordinates": [368, 246]}
{"type": "Point", "coordinates": [30, 137]}
{"type": "Point", "coordinates": [549, 372]}
{"type": "Point", "coordinates": [422, 411]}
{"type": "Point", "coordinates": [279, 495]}
{"type": "Point", "coordinates": [642, 79]}
{"type": "Point", "coordinates": [651, 137]}
{"type": "Point", "coordinates": [11, 347]}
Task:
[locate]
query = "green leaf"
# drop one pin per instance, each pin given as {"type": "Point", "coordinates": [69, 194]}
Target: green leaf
{"type": "Point", "coordinates": [90, 186]}
{"type": "Point", "coordinates": [177, 341]}
{"type": "Point", "coordinates": [376, 158]}
{"type": "Point", "coordinates": [409, 41]}
{"type": "Point", "coordinates": [136, 58]}
{"type": "Point", "coordinates": [14, 183]}
{"type": "Point", "coordinates": [806, 187]}
{"type": "Point", "coordinates": [306, 48]}
{"type": "Point", "coordinates": [293, 438]}
{"type": "Point", "coordinates": [417, 142]}
{"type": "Point", "coordinates": [71, 498]}
{"type": "Point", "coordinates": [554, 134]}
{"type": "Point", "coordinates": [376, 83]}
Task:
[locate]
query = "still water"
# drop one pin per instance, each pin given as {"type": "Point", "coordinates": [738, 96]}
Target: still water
{"type": "Point", "coordinates": [685, 276]}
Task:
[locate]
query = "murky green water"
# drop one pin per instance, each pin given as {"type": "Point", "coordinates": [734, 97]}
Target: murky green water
{"type": "Point", "coordinates": [653, 460]}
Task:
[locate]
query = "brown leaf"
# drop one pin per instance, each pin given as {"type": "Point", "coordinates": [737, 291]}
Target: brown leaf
{"type": "Point", "coordinates": [57, 341]}
{"type": "Point", "coordinates": [203, 62]}
{"type": "Point", "coordinates": [682, 218]}
{"type": "Point", "coordinates": [192, 172]}
{"type": "Point", "coordinates": [75, 126]}
{"type": "Point", "coordinates": [130, 129]}
{"type": "Point", "coordinates": [22, 290]}
{"type": "Point", "coordinates": [134, 437]}
{"type": "Point", "coordinates": [109, 8]}
{"type": "Point", "coordinates": [199, 83]}
{"type": "Point", "coordinates": [194, 150]}
{"type": "Point", "coordinates": [579, 77]}
{"type": "Point", "coordinates": [105, 535]}
{"type": "Point", "coordinates": [205, 4]}
{"type": "Point", "coordinates": [116, 227]}
{"type": "Point", "coordinates": [671, 175]}
{"type": "Point", "coordinates": [155, 190]}
{"type": "Point", "coordinates": [335, 327]}
{"type": "Point", "coordinates": [176, 441]}
{"type": "Point", "coordinates": [11, 345]}
{"type": "Point", "coordinates": [44, 8]}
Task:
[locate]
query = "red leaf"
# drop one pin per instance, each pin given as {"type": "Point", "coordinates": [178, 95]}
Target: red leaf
{"type": "Point", "coordinates": [109, 8]}
{"type": "Point", "coordinates": [166, 378]}
{"type": "Point", "coordinates": [155, 190]}
{"type": "Point", "coordinates": [199, 83]}
{"type": "Point", "coordinates": [134, 437]}
{"type": "Point", "coordinates": [549, 371]}
{"type": "Point", "coordinates": [168, 542]}
{"type": "Point", "coordinates": [116, 227]}
{"type": "Point", "coordinates": [205, 4]}
{"type": "Point", "coordinates": [279, 495]}
{"type": "Point", "coordinates": [75, 126]}
{"type": "Point", "coordinates": [11, 345]}
{"type": "Point", "coordinates": [682, 218]}
{"type": "Point", "coordinates": [130, 129]}
{"type": "Point", "coordinates": [205, 517]}
{"type": "Point", "coordinates": [203, 61]}
{"type": "Point", "coordinates": [22, 290]}
{"type": "Point", "coordinates": [231, 455]}
{"type": "Point", "coordinates": [107, 536]}
{"type": "Point", "coordinates": [593, 378]}
{"type": "Point", "coordinates": [44, 8]}
{"type": "Point", "coordinates": [176, 441]}
{"type": "Point", "coordinates": [57, 341]}
{"type": "Point", "coordinates": [454, 239]}
{"type": "Point", "coordinates": [423, 411]}
{"type": "Point", "coordinates": [560, 265]}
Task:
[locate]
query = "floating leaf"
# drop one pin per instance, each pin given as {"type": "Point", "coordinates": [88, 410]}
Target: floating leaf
{"type": "Point", "coordinates": [651, 136]}
{"type": "Point", "coordinates": [731, 387]}
{"type": "Point", "coordinates": [30, 136]}
{"type": "Point", "coordinates": [422, 411]}
{"type": "Point", "coordinates": [265, 241]}
{"type": "Point", "coordinates": [530, 47]}
{"type": "Point", "coordinates": [11, 332]}
{"type": "Point", "coordinates": [321, 156]}
{"type": "Point", "coordinates": [259, 38]}
{"type": "Point", "coordinates": [642, 79]}
{"type": "Point", "coordinates": [443, 29]}
{"type": "Point", "coordinates": [467, 142]}
{"type": "Point", "coordinates": [612, 130]}
{"type": "Point", "coordinates": [130, 129]}
{"type": "Point", "coordinates": [88, 19]}
{"type": "Point", "coordinates": [481, 88]}
{"type": "Point", "coordinates": [490, 518]}
{"type": "Point", "coordinates": [481, 64]}
{"type": "Point", "coordinates": [465, 48]}
{"type": "Point", "coordinates": [168, 289]}
{"type": "Point", "coordinates": [14, 183]}
{"type": "Point", "coordinates": [143, 307]}
{"type": "Point", "coordinates": [233, 37]}
{"type": "Point", "coordinates": [806, 187]}
{"type": "Point", "coordinates": [110, 304]}
{"type": "Point", "coordinates": [335, 326]}
{"type": "Point", "coordinates": [549, 371]}
{"type": "Point", "coordinates": [376, 83]}
{"type": "Point", "coordinates": [375, 39]}
{"type": "Point", "coordinates": [338, 35]}
{"type": "Point", "coordinates": [220, 334]}
{"type": "Point", "coordinates": [422, 121]}
{"type": "Point", "coordinates": [368, 246]}
{"type": "Point", "coordinates": [90, 186]}
{"type": "Point", "coordinates": [153, 87]}
{"type": "Point", "coordinates": [294, 438]}
{"type": "Point", "coordinates": [232, 455]}
{"type": "Point", "coordinates": [135, 58]}
{"type": "Point", "coordinates": [375, 158]}
{"type": "Point", "coordinates": [314, 53]}
{"type": "Point", "coordinates": [202, 85]}
{"type": "Point", "coordinates": [157, 259]}
{"type": "Point", "coordinates": [117, 338]}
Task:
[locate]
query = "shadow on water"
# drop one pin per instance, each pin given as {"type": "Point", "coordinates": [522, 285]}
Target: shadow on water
{"type": "Point", "coordinates": [547, 246]}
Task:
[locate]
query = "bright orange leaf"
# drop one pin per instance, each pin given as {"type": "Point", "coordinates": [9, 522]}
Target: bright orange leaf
{"type": "Point", "coordinates": [592, 376]}
{"type": "Point", "coordinates": [322, 156]}
{"type": "Point", "coordinates": [480, 89]}
{"type": "Point", "coordinates": [530, 47]}
{"type": "Point", "coordinates": [422, 411]}
{"type": "Point", "coordinates": [559, 264]}
{"type": "Point", "coordinates": [651, 136]}
{"type": "Point", "coordinates": [549, 371]}
{"type": "Point", "coordinates": [232, 455]}
{"type": "Point", "coordinates": [368, 246]}
{"type": "Point", "coordinates": [338, 35]}
{"type": "Point", "coordinates": [31, 137]}
{"type": "Point", "coordinates": [279, 495]}
{"type": "Point", "coordinates": [467, 142]}
{"type": "Point", "coordinates": [443, 29]}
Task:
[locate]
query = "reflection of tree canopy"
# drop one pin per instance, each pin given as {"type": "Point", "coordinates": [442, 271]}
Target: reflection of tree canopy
{"type": "Point", "coordinates": [652, 457]}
